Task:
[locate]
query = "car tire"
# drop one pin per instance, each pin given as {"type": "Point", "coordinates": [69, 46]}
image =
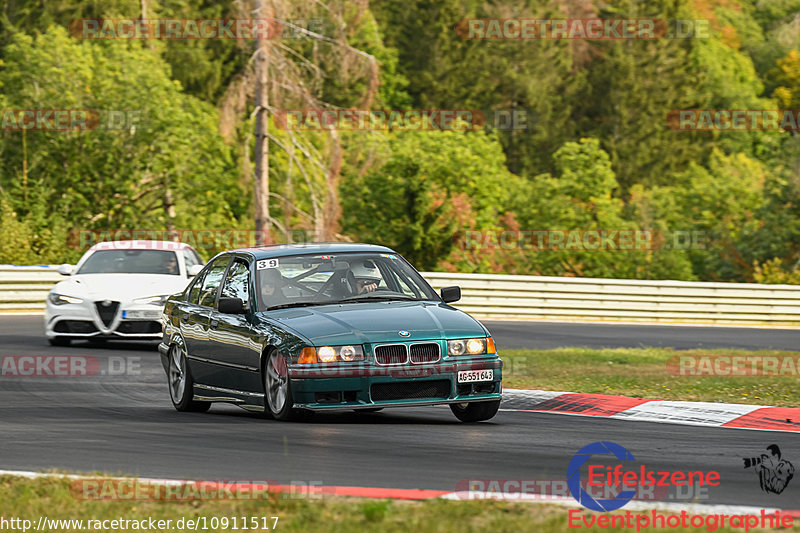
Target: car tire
{"type": "Point", "coordinates": [475, 411]}
{"type": "Point", "coordinates": [278, 401]}
{"type": "Point", "coordinates": [181, 385]}
{"type": "Point", "coordinates": [59, 341]}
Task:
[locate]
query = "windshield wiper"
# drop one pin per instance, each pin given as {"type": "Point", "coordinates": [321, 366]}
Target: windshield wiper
{"type": "Point", "coordinates": [294, 304]}
{"type": "Point", "coordinates": [363, 298]}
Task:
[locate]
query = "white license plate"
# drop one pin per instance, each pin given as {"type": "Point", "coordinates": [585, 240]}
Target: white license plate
{"type": "Point", "coordinates": [153, 315]}
{"type": "Point", "coordinates": [470, 376]}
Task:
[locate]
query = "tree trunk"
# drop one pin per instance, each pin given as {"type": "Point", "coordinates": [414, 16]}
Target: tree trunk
{"type": "Point", "coordinates": [262, 9]}
{"type": "Point", "coordinates": [332, 210]}
{"type": "Point", "coordinates": [169, 206]}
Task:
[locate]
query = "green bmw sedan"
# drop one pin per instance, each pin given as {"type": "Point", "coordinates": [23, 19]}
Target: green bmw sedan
{"type": "Point", "coordinates": [288, 330]}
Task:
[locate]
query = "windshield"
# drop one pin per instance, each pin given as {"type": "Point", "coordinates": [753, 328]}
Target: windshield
{"type": "Point", "coordinates": [131, 262]}
{"type": "Point", "coordinates": [337, 278]}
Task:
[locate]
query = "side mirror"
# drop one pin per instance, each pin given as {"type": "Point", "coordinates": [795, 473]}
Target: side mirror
{"type": "Point", "coordinates": [451, 294]}
{"type": "Point", "coordinates": [194, 270]}
{"type": "Point", "coordinates": [65, 269]}
{"type": "Point", "coordinates": [231, 306]}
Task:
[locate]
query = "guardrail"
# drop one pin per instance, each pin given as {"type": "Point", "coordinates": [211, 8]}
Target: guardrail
{"type": "Point", "coordinates": [620, 300]}
{"type": "Point", "coordinates": [25, 288]}
{"type": "Point", "coordinates": [493, 296]}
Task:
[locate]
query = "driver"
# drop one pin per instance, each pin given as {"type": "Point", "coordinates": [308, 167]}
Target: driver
{"type": "Point", "coordinates": [272, 288]}
{"type": "Point", "coordinates": [169, 263]}
{"type": "Point", "coordinates": [367, 276]}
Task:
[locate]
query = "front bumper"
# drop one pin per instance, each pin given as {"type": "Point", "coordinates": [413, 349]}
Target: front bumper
{"type": "Point", "coordinates": [82, 321]}
{"type": "Point", "coordinates": [370, 386]}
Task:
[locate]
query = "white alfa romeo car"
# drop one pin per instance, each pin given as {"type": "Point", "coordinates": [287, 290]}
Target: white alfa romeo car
{"type": "Point", "coordinates": [117, 291]}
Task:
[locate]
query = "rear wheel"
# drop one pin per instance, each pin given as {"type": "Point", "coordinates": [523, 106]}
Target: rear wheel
{"type": "Point", "coordinates": [181, 387]}
{"type": "Point", "coordinates": [475, 411]}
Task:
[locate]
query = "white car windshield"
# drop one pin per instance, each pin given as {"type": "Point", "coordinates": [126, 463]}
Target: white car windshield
{"type": "Point", "coordinates": [131, 262]}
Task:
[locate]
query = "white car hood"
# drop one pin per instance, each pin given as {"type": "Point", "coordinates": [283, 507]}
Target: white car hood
{"type": "Point", "coordinates": [120, 287]}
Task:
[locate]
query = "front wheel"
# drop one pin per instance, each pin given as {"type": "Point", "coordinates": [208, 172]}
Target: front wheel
{"type": "Point", "coordinates": [277, 389]}
{"type": "Point", "coordinates": [475, 411]}
{"type": "Point", "coordinates": [181, 387]}
{"type": "Point", "coordinates": [59, 341]}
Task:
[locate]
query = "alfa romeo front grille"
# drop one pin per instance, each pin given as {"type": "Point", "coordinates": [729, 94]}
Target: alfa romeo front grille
{"type": "Point", "coordinates": [107, 312]}
{"type": "Point", "coordinates": [391, 354]}
{"type": "Point", "coordinates": [427, 352]}
{"type": "Point", "coordinates": [139, 327]}
{"type": "Point", "coordinates": [75, 326]}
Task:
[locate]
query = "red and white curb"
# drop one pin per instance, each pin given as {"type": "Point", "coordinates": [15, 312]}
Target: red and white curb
{"type": "Point", "coordinates": [731, 415]}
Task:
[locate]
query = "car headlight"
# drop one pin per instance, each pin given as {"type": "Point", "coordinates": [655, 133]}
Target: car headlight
{"type": "Point", "coordinates": [479, 346]}
{"type": "Point", "coordinates": [331, 354]}
{"type": "Point", "coordinates": [160, 300]}
{"type": "Point", "coordinates": [62, 299]}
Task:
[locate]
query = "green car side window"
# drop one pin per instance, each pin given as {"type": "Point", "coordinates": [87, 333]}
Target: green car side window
{"type": "Point", "coordinates": [208, 294]}
{"type": "Point", "coordinates": [237, 282]}
{"type": "Point", "coordinates": [194, 294]}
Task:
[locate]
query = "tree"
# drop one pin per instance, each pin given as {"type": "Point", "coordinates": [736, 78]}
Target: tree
{"type": "Point", "coordinates": [425, 190]}
{"type": "Point", "coordinates": [787, 75]}
{"type": "Point", "coordinates": [148, 156]}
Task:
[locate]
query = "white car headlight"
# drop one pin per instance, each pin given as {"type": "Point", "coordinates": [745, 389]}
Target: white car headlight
{"type": "Point", "coordinates": [62, 299]}
{"type": "Point", "coordinates": [159, 300]}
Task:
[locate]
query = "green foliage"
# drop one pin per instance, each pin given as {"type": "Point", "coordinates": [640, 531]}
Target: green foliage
{"type": "Point", "coordinates": [579, 198]}
{"type": "Point", "coordinates": [598, 152]}
{"type": "Point", "coordinates": [721, 203]}
{"type": "Point", "coordinates": [427, 189]}
{"type": "Point", "coordinates": [115, 175]}
{"type": "Point", "coordinates": [787, 75]}
{"type": "Point", "coordinates": [773, 271]}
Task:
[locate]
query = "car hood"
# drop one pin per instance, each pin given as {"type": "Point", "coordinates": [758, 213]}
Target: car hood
{"type": "Point", "coordinates": [120, 287]}
{"type": "Point", "coordinates": [377, 322]}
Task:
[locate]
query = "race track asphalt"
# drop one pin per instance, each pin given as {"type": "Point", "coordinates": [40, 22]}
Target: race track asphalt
{"type": "Point", "coordinates": [125, 424]}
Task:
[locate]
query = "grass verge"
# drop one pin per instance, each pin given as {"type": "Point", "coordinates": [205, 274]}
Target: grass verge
{"type": "Point", "coordinates": [51, 497]}
{"type": "Point", "coordinates": [645, 373]}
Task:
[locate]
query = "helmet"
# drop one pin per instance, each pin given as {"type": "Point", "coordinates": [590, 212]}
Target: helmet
{"type": "Point", "coordinates": [365, 270]}
{"type": "Point", "coordinates": [271, 276]}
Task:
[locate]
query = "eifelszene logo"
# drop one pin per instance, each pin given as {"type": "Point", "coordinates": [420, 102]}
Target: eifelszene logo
{"type": "Point", "coordinates": [614, 478]}
{"type": "Point", "coordinates": [774, 473]}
